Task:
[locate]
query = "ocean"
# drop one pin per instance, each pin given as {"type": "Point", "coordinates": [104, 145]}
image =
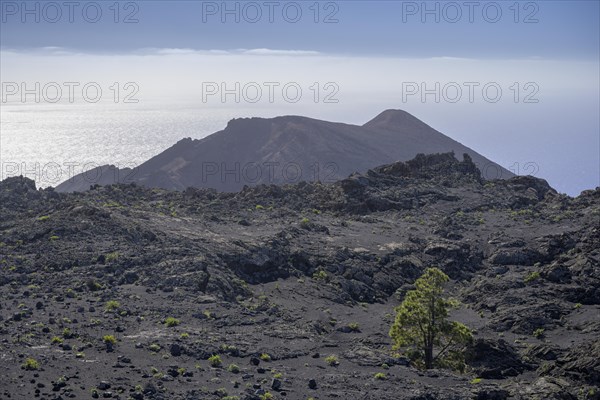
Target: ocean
{"type": "Point", "coordinates": [51, 142]}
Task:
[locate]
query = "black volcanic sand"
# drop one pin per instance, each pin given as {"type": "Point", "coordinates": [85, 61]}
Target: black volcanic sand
{"type": "Point", "coordinates": [288, 272]}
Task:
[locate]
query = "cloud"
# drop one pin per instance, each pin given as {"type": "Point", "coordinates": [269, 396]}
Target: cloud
{"type": "Point", "coordinates": [167, 51]}
{"type": "Point", "coordinates": [448, 58]}
{"type": "Point", "coordinates": [255, 52]}
{"type": "Point", "coordinates": [47, 50]}
{"type": "Point", "coordinates": [178, 52]}
{"type": "Point", "coordinates": [270, 52]}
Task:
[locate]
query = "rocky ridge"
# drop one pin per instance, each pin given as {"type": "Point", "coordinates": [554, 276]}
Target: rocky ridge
{"type": "Point", "coordinates": [275, 279]}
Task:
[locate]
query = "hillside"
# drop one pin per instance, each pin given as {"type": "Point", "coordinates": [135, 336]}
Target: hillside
{"type": "Point", "coordinates": [290, 149]}
{"type": "Point", "coordinates": [299, 273]}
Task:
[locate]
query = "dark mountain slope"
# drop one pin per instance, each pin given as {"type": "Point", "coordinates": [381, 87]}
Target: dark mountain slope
{"type": "Point", "coordinates": [286, 149]}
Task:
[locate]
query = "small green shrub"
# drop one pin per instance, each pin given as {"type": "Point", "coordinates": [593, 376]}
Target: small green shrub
{"type": "Point", "coordinates": [215, 361]}
{"type": "Point", "coordinates": [228, 348]}
{"type": "Point", "coordinates": [475, 381]}
{"type": "Point", "coordinates": [171, 322]}
{"type": "Point", "coordinates": [380, 376]}
{"type": "Point", "coordinates": [111, 256]}
{"type": "Point", "coordinates": [56, 340]}
{"type": "Point", "coordinates": [535, 275]}
{"type": "Point", "coordinates": [154, 347]}
{"type": "Point", "coordinates": [109, 339]}
{"type": "Point", "coordinates": [265, 357]}
{"type": "Point", "coordinates": [233, 368]}
{"type": "Point", "coordinates": [43, 218]}
{"type": "Point", "coordinates": [112, 305]}
{"type": "Point", "coordinates": [332, 360]}
{"type": "Point", "coordinates": [354, 327]}
{"type": "Point", "coordinates": [31, 364]}
{"type": "Point", "coordinates": [320, 275]}
{"type": "Point", "coordinates": [538, 333]}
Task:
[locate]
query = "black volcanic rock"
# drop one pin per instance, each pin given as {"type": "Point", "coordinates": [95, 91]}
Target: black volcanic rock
{"type": "Point", "coordinates": [493, 359]}
{"type": "Point", "coordinates": [289, 149]}
{"type": "Point", "coordinates": [315, 271]}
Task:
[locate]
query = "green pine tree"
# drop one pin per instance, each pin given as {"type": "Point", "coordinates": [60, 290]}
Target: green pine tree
{"type": "Point", "coordinates": [422, 325]}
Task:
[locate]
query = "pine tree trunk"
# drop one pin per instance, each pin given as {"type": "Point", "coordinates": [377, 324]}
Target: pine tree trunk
{"type": "Point", "coordinates": [429, 356]}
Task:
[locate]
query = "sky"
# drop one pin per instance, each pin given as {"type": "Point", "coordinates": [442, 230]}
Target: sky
{"type": "Point", "coordinates": [548, 29]}
{"type": "Point", "coordinates": [515, 81]}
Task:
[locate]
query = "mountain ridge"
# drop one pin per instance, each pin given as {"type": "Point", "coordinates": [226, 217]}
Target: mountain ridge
{"type": "Point", "coordinates": [286, 149]}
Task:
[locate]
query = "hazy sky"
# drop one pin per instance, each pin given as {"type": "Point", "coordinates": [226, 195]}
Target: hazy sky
{"type": "Point", "coordinates": [367, 56]}
{"type": "Point", "coordinates": [548, 29]}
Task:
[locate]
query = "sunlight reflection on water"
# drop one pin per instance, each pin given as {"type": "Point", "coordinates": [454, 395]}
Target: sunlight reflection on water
{"type": "Point", "coordinates": [33, 136]}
